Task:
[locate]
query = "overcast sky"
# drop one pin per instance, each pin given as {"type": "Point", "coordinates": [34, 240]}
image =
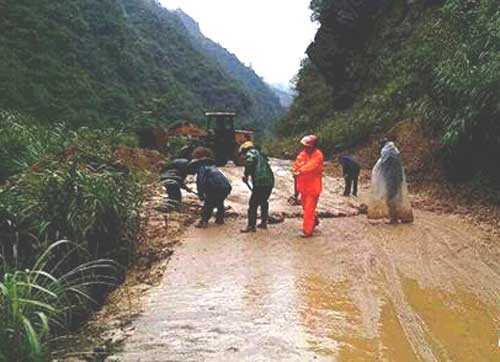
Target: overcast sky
{"type": "Point", "coordinates": [271, 35]}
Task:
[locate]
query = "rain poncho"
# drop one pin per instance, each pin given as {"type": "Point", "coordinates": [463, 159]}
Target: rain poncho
{"type": "Point", "coordinates": [389, 191]}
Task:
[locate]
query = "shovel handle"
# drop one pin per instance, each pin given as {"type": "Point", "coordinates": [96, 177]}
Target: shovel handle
{"type": "Point", "coordinates": [295, 190]}
{"type": "Point", "coordinates": [248, 185]}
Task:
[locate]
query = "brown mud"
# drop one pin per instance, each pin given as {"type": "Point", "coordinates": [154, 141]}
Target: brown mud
{"type": "Point", "coordinates": [357, 291]}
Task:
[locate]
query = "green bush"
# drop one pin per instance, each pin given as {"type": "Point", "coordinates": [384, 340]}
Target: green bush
{"type": "Point", "coordinates": [25, 142]}
{"type": "Point", "coordinates": [97, 207]}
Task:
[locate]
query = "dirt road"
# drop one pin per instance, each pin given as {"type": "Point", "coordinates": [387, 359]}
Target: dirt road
{"type": "Point", "coordinates": [357, 292]}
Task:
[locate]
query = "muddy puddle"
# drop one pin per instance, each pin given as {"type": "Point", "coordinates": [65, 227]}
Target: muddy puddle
{"type": "Point", "coordinates": [355, 292]}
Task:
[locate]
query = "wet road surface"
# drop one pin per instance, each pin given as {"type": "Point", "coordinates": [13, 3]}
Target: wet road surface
{"type": "Point", "coordinates": [355, 292]}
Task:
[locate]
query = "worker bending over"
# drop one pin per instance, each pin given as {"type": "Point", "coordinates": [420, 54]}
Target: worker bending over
{"type": "Point", "coordinates": [213, 189]}
{"type": "Point", "coordinates": [308, 168]}
{"type": "Point", "coordinates": [174, 179]}
{"type": "Point", "coordinates": [258, 169]}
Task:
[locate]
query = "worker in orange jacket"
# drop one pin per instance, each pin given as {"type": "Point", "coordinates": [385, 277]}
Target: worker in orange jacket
{"type": "Point", "coordinates": [308, 169]}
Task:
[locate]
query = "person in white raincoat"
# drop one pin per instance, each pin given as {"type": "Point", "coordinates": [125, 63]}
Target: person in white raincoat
{"type": "Point", "coordinates": [389, 191]}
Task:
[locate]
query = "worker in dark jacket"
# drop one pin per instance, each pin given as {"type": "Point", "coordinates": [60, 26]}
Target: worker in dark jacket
{"type": "Point", "coordinates": [257, 167]}
{"type": "Point", "coordinates": [351, 169]}
{"type": "Point", "coordinates": [174, 179]}
{"type": "Point", "coordinates": [213, 188]}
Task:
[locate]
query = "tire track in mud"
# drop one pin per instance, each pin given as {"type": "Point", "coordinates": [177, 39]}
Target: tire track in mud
{"type": "Point", "coordinates": [411, 323]}
{"type": "Point", "coordinates": [439, 266]}
{"type": "Point", "coordinates": [460, 254]}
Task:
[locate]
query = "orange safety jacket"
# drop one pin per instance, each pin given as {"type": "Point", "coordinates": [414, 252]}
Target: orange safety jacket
{"type": "Point", "coordinates": [310, 169]}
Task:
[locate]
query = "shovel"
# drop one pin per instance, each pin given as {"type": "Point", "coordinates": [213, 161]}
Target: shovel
{"type": "Point", "coordinates": [294, 200]}
{"type": "Point", "coordinates": [248, 185]}
{"type": "Point", "coordinates": [189, 191]}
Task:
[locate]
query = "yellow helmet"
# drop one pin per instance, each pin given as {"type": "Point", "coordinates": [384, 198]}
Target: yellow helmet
{"type": "Point", "coordinates": [246, 146]}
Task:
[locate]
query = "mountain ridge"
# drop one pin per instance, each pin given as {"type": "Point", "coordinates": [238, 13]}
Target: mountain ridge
{"type": "Point", "coordinates": [264, 100]}
{"type": "Point", "coordinates": [93, 62]}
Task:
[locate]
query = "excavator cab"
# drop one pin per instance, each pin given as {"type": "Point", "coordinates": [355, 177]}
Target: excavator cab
{"type": "Point", "coordinates": [225, 139]}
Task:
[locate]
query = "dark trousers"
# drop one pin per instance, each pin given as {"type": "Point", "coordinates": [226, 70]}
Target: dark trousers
{"type": "Point", "coordinates": [351, 183]}
{"type": "Point", "coordinates": [174, 192]}
{"type": "Point", "coordinates": [211, 203]}
{"type": "Point", "coordinates": [260, 197]}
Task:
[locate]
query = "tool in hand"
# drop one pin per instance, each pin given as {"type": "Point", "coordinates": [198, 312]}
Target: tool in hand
{"type": "Point", "coordinates": [248, 184]}
{"type": "Point", "coordinates": [294, 200]}
{"type": "Point", "coordinates": [190, 191]}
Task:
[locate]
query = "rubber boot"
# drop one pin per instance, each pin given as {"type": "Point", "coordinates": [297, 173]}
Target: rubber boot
{"type": "Point", "coordinates": [248, 229]}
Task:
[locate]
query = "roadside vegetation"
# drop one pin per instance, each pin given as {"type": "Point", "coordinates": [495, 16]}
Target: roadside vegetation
{"type": "Point", "coordinates": [70, 203]}
{"type": "Point", "coordinates": [437, 62]}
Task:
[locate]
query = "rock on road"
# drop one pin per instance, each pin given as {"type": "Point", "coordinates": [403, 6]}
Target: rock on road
{"type": "Point", "coordinates": [356, 292]}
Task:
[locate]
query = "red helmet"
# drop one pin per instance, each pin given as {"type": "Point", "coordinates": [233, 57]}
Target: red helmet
{"type": "Point", "coordinates": [309, 141]}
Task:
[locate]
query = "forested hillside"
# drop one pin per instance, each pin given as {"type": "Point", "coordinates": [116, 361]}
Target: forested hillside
{"type": "Point", "coordinates": [265, 104]}
{"type": "Point", "coordinates": [374, 64]}
{"type": "Point", "coordinates": [96, 61]}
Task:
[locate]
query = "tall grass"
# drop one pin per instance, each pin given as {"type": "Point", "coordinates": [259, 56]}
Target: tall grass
{"type": "Point", "coordinates": [99, 210]}
{"type": "Point", "coordinates": [23, 142]}
{"type": "Point", "coordinates": [38, 303]}
{"type": "Point", "coordinates": [79, 192]}
{"type": "Point", "coordinates": [61, 184]}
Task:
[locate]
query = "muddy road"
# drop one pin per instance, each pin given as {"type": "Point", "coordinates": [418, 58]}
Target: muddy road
{"type": "Point", "coordinates": [355, 292]}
